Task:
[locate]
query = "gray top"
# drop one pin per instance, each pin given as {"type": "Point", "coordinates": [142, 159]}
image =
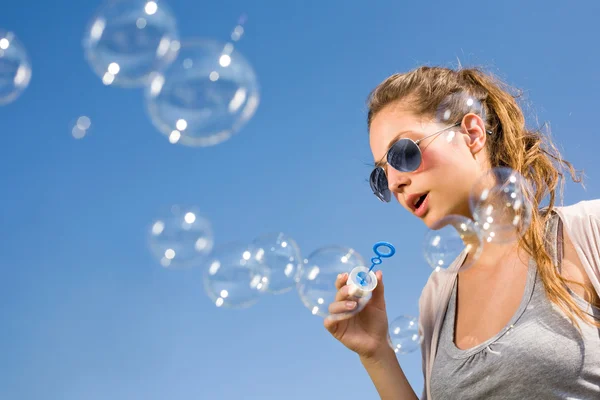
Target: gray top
{"type": "Point", "coordinates": [538, 355]}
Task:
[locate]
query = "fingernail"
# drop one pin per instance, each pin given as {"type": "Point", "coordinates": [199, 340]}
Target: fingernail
{"type": "Point", "coordinates": [350, 305]}
{"type": "Point", "coordinates": [339, 276]}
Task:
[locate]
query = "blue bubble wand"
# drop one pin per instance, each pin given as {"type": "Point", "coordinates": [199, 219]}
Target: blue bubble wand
{"type": "Point", "coordinates": [363, 277]}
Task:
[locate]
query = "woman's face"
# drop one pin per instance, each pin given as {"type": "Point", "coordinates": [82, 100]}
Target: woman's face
{"type": "Point", "coordinates": [451, 161]}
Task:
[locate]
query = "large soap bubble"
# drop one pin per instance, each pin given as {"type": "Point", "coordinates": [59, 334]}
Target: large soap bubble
{"type": "Point", "coordinates": [404, 334]}
{"type": "Point", "coordinates": [281, 255]}
{"type": "Point", "coordinates": [182, 238]}
{"type": "Point", "coordinates": [501, 204]}
{"type": "Point", "coordinates": [207, 95]}
{"type": "Point", "coordinates": [15, 68]}
{"type": "Point", "coordinates": [318, 273]}
{"type": "Point", "coordinates": [127, 40]}
{"type": "Point", "coordinates": [235, 276]}
{"type": "Point", "coordinates": [450, 239]}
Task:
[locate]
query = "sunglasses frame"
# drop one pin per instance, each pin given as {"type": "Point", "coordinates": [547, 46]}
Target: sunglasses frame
{"type": "Point", "coordinates": [385, 194]}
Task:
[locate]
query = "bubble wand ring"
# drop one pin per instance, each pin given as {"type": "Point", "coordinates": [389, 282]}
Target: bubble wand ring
{"type": "Point", "coordinates": [364, 278]}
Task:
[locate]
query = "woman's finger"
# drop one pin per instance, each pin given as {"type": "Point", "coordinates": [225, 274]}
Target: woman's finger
{"type": "Point", "coordinates": [338, 307]}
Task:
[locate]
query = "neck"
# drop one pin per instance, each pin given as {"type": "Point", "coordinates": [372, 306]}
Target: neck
{"type": "Point", "coordinates": [492, 255]}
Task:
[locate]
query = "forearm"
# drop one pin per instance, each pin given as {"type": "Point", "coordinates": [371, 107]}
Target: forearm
{"type": "Point", "coordinates": [388, 377]}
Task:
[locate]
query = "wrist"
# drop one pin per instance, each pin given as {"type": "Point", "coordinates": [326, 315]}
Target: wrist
{"type": "Point", "coordinates": [382, 355]}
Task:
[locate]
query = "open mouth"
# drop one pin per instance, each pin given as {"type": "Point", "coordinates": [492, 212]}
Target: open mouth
{"type": "Point", "coordinates": [420, 201]}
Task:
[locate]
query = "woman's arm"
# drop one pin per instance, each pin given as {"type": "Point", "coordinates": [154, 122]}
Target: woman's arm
{"type": "Point", "coordinates": [388, 377]}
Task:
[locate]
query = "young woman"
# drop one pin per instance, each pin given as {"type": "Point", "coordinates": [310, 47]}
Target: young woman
{"type": "Point", "coordinates": [523, 321]}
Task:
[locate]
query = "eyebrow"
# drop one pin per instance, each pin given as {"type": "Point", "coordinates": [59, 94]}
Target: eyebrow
{"type": "Point", "coordinates": [389, 145]}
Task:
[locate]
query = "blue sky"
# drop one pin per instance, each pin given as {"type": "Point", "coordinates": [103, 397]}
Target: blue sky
{"type": "Point", "coordinates": [85, 311]}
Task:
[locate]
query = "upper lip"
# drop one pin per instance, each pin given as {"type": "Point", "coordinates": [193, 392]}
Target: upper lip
{"type": "Point", "coordinates": [411, 199]}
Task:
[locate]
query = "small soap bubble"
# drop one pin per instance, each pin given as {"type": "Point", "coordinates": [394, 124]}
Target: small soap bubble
{"type": "Point", "coordinates": [127, 40]}
{"type": "Point", "coordinates": [235, 276]}
{"type": "Point", "coordinates": [281, 255]}
{"type": "Point", "coordinates": [450, 240]}
{"type": "Point", "coordinates": [15, 67]}
{"type": "Point", "coordinates": [456, 105]}
{"type": "Point", "coordinates": [182, 238]}
{"type": "Point", "coordinates": [501, 204]}
{"type": "Point", "coordinates": [237, 33]}
{"type": "Point", "coordinates": [318, 273]}
{"type": "Point", "coordinates": [78, 133]}
{"type": "Point", "coordinates": [81, 127]}
{"type": "Point", "coordinates": [207, 94]}
{"type": "Point", "coordinates": [84, 123]}
{"type": "Point", "coordinates": [451, 110]}
{"type": "Point", "coordinates": [404, 334]}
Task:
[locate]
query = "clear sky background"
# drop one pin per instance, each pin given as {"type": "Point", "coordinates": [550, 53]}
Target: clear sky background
{"type": "Point", "coordinates": [85, 311]}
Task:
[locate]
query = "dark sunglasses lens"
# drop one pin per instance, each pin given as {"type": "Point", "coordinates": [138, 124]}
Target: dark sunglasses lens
{"type": "Point", "coordinates": [404, 156]}
{"type": "Point", "coordinates": [379, 185]}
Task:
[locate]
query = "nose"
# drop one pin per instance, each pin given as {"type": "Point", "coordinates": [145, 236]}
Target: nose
{"type": "Point", "coordinates": [397, 180]}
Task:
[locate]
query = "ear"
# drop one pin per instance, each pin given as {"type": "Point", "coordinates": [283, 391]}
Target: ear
{"type": "Point", "coordinates": [474, 127]}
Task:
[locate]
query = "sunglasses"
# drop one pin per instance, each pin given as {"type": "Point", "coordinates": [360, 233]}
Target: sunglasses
{"type": "Point", "coordinates": [404, 155]}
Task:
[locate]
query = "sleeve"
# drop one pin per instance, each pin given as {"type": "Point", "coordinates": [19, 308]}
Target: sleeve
{"type": "Point", "coordinates": [424, 352]}
{"type": "Point", "coordinates": [582, 223]}
{"type": "Point", "coordinates": [426, 321]}
{"type": "Point", "coordinates": [437, 289]}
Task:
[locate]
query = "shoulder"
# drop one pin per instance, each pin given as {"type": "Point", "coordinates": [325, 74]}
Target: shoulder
{"type": "Point", "coordinates": [585, 213]}
{"type": "Point", "coordinates": [581, 223]}
{"type": "Point", "coordinates": [581, 235]}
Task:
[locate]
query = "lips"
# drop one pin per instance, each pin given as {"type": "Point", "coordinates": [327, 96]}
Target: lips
{"type": "Point", "coordinates": [418, 203]}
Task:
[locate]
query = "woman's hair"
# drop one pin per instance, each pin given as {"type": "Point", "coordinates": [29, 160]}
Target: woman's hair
{"type": "Point", "coordinates": [512, 145]}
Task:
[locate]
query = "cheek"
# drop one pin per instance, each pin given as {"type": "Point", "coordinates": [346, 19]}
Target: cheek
{"type": "Point", "coordinates": [449, 173]}
{"type": "Point", "coordinates": [435, 158]}
{"type": "Point", "coordinates": [448, 151]}
{"type": "Point", "coordinates": [399, 199]}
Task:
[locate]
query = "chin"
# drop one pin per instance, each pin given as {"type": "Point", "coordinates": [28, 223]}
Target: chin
{"type": "Point", "coordinates": [432, 218]}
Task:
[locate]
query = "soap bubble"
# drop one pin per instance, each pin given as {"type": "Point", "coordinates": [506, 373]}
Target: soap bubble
{"type": "Point", "coordinates": [453, 108]}
{"type": "Point", "coordinates": [235, 277]}
{"type": "Point", "coordinates": [15, 68]}
{"type": "Point", "coordinates": [127, 40]}
{"type": "Point", "coordinates": [456, 105]}
{"type": "Point", "coordinates": [208, 94]}
{"type": "Point", "coordinates": [452, 237]}
{"type": "Point", "coordinates": [80, 128]}
{"type": "Point", "coordinates": [281, 255]}
{"type": "Point", "coordinates": [182, 238]}
{"type": "Point", "coordinates": [404, 334]}
{"type": "Point", "coordinates": [501, 204]}
{"type": "Point", "coordinates": [318, 273]}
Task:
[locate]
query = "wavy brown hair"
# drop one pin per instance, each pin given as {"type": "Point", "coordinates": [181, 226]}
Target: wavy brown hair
{"type": "Point", "coordinates": [513, 145]}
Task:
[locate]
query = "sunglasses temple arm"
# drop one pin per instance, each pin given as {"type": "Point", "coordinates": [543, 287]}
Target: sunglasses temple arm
{"type": "Point", "coordinates": [437, 133]}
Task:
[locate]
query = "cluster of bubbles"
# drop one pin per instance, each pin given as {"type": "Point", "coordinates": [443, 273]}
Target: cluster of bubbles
{"type": "Point", "coordinates": [500, 203]}
{"type": "Point", "coordinates": [197, 92]}
{"type": "Point", "coordinates": [237, 275]}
